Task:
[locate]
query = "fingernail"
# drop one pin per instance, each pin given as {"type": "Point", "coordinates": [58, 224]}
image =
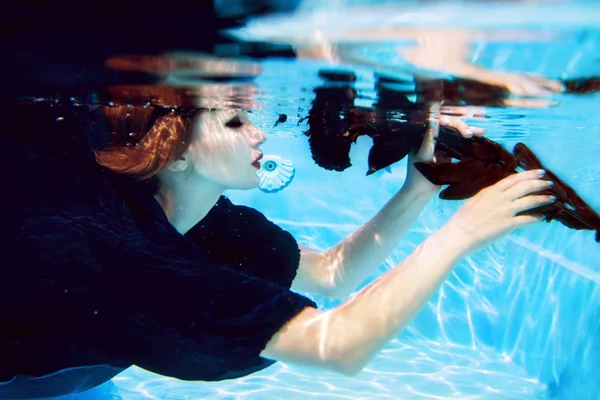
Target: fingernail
{"type": "Point", "coordinates": [541, 172]}
{"type": "Point", "coordinates": [469, 133]}
{"type": "Point", "coordinates": [550, 183]}
{"type": "Point", "coordinates": [553, 198]}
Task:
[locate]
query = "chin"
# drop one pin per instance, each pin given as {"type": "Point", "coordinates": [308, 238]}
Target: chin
{"type": "Point", "coordinates": [248, 185]}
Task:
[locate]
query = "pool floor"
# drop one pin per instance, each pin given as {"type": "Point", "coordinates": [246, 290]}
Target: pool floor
{"type": "Point", "coordinates": [420, 370]}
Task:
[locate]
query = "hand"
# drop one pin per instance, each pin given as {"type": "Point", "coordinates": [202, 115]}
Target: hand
{"type": "Point", "coordinates": [456, 124]}
{"type": "Point", "coordinates": [493, 212]}
{"type": "Point", "coordinates": [426, 152]}
{"type": "Point", "coordinates": [464, 111]}
{"type": "Point", "coordinates": [515, 83]}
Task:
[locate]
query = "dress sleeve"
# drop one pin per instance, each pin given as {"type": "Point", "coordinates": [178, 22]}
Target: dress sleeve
{"type": "Point", "coordinates": [228, 292]}
{"type": "Point", "coordinates": [201, 321]}
{"type": "Point", "coordinates": [243, 239]}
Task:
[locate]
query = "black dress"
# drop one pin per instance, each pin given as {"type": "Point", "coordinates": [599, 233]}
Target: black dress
{"type": "Point", "coordinates": [93, 274]}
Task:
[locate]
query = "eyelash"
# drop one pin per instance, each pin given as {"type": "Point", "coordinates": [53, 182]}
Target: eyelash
{"type": "Point", "coordinates": [235, 122]}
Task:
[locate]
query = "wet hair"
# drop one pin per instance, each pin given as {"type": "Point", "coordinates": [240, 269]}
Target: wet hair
{"type": "Point", "coordinates": [145, 140]}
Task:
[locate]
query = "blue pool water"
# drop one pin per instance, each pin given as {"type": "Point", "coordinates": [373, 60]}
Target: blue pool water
{"type": "Point", "coordinates": [517, 320]}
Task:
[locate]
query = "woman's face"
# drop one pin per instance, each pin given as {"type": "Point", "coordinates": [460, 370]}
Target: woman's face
{"type": "Point", "coordinates": [224, 149]}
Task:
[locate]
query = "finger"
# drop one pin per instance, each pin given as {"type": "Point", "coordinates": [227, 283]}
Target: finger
{"type": "Point", "coordinates": [529, 103]}
{"type": "Point", "coordinates": [524, 188]}
{"type": "Point", "coordinates": [524, 220]}
{"type": "Point", "coordinates": [513, 179]}
{"type": "Point", "coordinates": [461, 127]}
{"type": "Point", "coordinates": [531, 88]}
{"type": "Point", "coordinates": [479, 132]}
{"type": "Point", "coordinates": [515, 87]}
{"type": "Point", "coordinates": [532, 201]}
{"type": "Point", "coordinates": [464, 111]}
{"type": "Point", "coordinates": [554, 85]}
{"type": "Point", "coordinates": [523, 85]}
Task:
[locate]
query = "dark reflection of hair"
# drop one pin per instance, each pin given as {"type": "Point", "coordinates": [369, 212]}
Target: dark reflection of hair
{"type": "Point", "coordinates": [583, 85]}
{"type": "Point", "coordinates": [334, 75]}
{"type": "Point", "coordinates": [460, 92]}
{"type": "Point", "coordinates": [329, 137]}
{"type": "Point", "coordinates": [398, 130]}
{"type": "Point", "coordinates": [395, 124]}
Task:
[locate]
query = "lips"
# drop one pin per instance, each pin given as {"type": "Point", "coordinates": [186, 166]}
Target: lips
{"type": "Point", "coordinates": [256, 162]}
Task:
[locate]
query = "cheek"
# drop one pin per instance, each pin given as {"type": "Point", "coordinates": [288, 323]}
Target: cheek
{"type": "Point", "coordinates": [222, 162]}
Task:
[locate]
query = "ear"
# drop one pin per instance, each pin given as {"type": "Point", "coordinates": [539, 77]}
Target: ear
{"type": "Point", "coordinates": [179, 165]}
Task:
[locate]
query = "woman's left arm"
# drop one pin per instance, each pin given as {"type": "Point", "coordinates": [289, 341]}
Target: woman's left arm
{"type": "Point", "coordinates": [338, 271]}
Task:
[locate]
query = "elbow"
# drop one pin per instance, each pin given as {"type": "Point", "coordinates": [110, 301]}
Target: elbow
{"type": "Point", "coordinates": [339, 349]}
{"type": "Point", "coordinates": [336, 291]}
{"type": "Point", "coordinates": [348, 368]}
{"type": "Point", "coordinates": [334, 287]}
{"type": "Point", "coordinates": [349, 361]}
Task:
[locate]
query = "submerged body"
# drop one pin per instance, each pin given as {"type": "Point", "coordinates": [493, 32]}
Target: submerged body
{"type": "Point", "coordinates": [111, 268]}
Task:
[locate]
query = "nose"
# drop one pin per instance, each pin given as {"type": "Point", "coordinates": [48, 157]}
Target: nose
{"type": "Point", "coordinates": [256, 137]}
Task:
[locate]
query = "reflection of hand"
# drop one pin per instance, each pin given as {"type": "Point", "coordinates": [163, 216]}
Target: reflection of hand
{"type": "Point", "coordinates": [464, 111]}
{"type": "Point", "coordinates": [461, 127]}
{"type": "Point", "coordinates": [426, 152]}
{"type": "Point", "coordinates": [448, 52]}
{"type": "Point", "coordinates": [517, 84]}
{"type": "Point", "coordinates": [494, 211]}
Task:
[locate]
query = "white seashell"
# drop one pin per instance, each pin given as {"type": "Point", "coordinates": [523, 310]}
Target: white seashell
{"type": "Point", "coordinates": [275, 173]}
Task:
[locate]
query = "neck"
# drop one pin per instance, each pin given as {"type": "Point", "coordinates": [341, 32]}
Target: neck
{"type": "Point", "coordinates": [187, 203]}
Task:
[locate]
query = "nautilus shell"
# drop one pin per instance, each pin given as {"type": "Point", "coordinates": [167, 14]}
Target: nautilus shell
{"type": "Point", "coordinates": [275, 173]}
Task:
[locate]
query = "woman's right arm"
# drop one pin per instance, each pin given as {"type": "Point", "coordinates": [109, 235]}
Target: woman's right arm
{"type": "Point", "coordinates": [347, 337]}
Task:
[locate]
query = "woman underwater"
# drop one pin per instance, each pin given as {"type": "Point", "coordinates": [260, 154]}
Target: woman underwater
{"type": "Point", "coordinates": [144, 262]}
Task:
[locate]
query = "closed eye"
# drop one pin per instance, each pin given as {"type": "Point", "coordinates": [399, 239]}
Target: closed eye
{"type": "Point", "coordinates": [234, 122]}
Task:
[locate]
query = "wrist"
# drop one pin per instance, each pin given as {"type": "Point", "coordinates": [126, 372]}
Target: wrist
{"type": "Point", "coordinates": [420, 186]}
{"type": "Point", "coordinates": [453, 240]}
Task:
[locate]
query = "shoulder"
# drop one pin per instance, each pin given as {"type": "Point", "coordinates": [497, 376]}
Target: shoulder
{"type": "Point", "coordinates": [238, 221]}
{"type": "Point", "coordinates": [243, 238]}
{"type": "Point", "coordinates": [243, 215]}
